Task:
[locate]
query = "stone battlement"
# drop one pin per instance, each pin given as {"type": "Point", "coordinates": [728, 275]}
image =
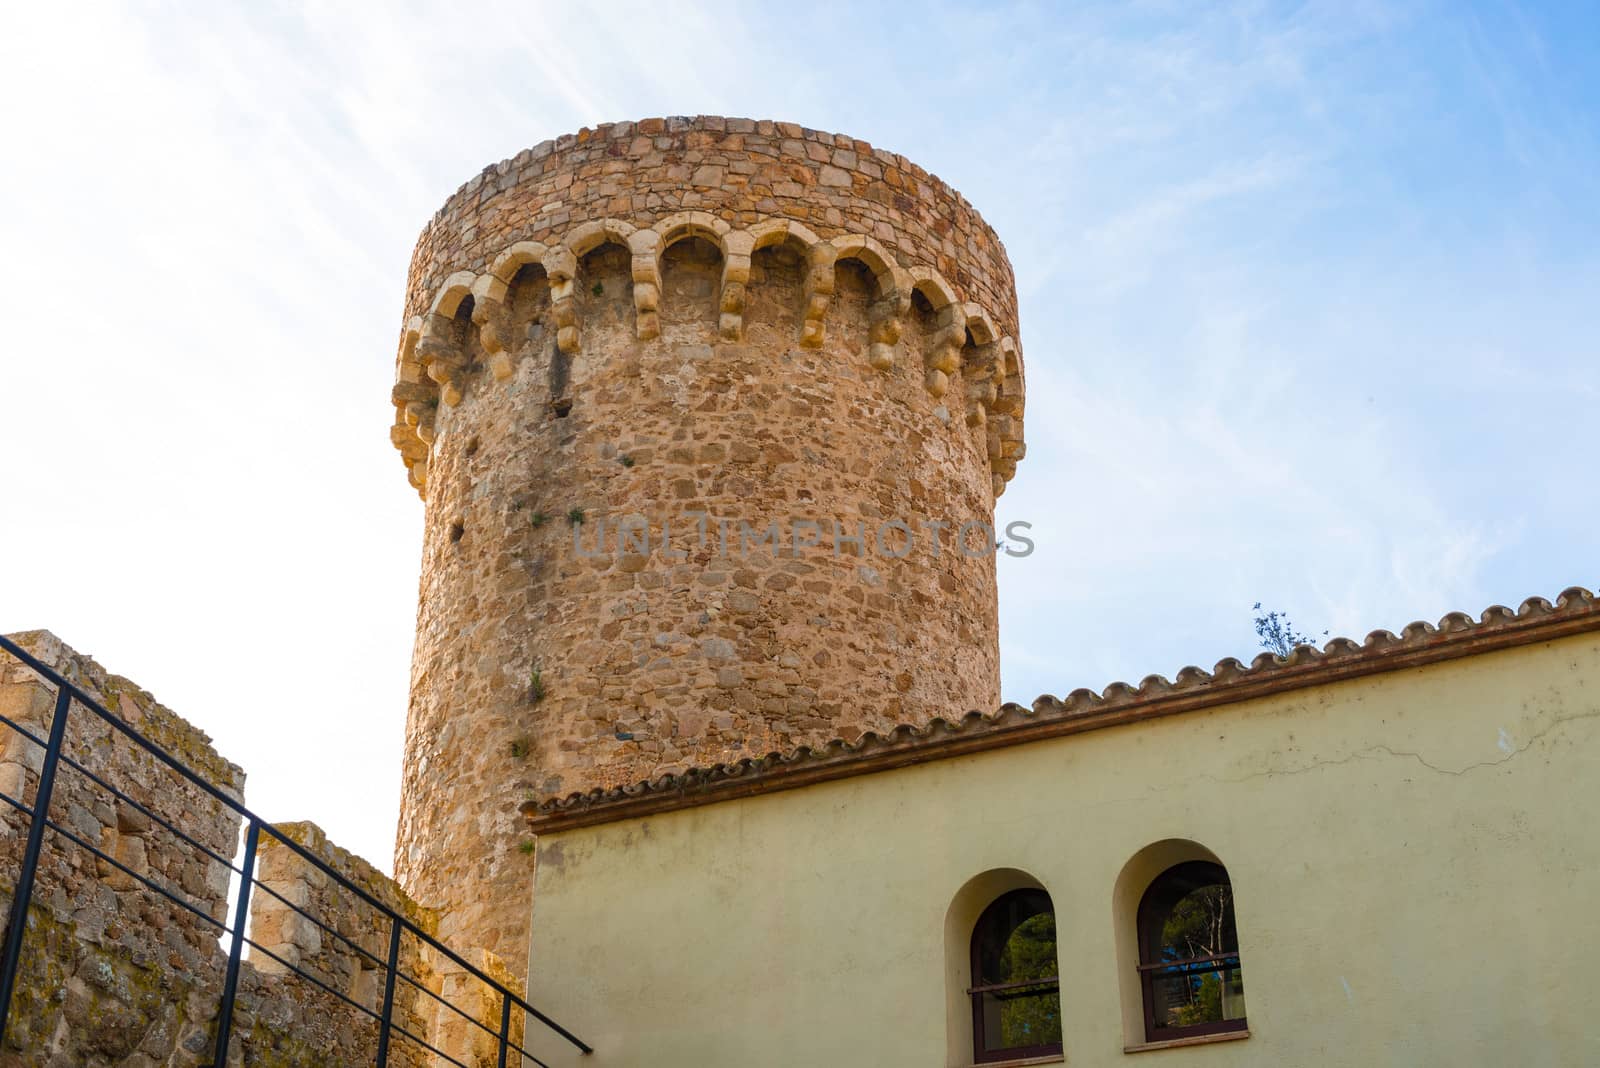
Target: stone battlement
{"type": "Point", "coordinates": [739, 170]}
{"type": "Point", "coordinates": [740, 187]}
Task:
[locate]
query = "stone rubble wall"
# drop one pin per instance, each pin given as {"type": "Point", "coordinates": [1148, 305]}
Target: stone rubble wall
{"type": "Point", "coordinates": [113, 974]}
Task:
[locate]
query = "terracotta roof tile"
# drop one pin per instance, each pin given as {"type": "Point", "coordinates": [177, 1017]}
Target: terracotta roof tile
{"type": "Point", "coordinates": [1457, 635]}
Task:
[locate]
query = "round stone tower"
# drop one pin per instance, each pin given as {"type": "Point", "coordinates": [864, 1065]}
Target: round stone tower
{"type": "Point", "coordinates": [709, 416]}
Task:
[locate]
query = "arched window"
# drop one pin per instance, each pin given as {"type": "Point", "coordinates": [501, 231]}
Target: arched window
{"type": "Point", "coordinates": [1189, 954]}
{"type": "Point", "coordinates": [1016, 999]}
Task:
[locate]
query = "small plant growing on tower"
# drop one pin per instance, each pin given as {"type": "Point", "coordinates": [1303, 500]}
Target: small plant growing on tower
{"type": "Point", "coordinates": [575, 516]}
{"type": "Point", "coordinates": [538, 519]}
{"type": "Point", "coordinates": [626, 461]}
{"type": "Point", "coordinates": [597, 289]}
{"type": "Point", "coordinates": [536, 686]}
{"type": "Point", "coordinates": [520, 748]}
{"type": "Point", "coordinates": [525, 847]}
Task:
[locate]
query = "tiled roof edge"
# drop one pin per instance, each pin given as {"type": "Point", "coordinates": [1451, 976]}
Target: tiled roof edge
{"type": "Point", "coordinates": [1457, 635]}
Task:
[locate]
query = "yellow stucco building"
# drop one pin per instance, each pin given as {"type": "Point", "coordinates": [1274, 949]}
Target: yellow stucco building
{"type": "Point", "coordinates": [1404, 829]}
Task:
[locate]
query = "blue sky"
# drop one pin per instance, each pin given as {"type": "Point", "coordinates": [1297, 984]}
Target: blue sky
{"type": "Point", "coordinates": [1307, 294]}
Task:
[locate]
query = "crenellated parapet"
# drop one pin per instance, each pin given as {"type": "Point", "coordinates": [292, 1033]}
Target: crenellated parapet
{"type": "Point", "coordinates": [741, 186]}
{"type": "Point", "coordinates": [964, 351]}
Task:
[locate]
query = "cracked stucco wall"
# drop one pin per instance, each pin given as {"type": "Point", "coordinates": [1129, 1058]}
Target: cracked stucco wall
{"type": "Point", "coordinates": [1415, 859]}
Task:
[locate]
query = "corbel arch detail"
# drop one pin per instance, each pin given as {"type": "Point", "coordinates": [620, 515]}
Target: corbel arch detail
{"type": "Point", "coordinates": [964, 340]}
{"type": "Point", "coordinates": [490, 293]}
{"type": "Point", "coordinates": [415, 398]}
{"type": "Point", "coordinates": [586, 237]}
{"type": "Point", "coordinates": [1004, 432]}
{"type": "Point", "coordinates": [645, 248]}
{"type": "Point", "coordinates": [438, 349]}
{"type": "Point", "coordinates": [455, 289]}
{"type": "Point", "coordinates": [682, 224]}
{"type": "Point", "coordinates": [893, 299]}
{"type": "Point", "coordinates": [943, 355]}
{"type": "Point", "coordinates": [819, 256]}
{"type": "Point", "coordinates": [561, 268]}
{"type": "Point", "coordinates": [983, 366]}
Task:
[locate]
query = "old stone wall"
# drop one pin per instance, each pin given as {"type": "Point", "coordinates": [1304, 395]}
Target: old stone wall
{"type": "Point", "coordinates": [741, 171]}
{"type": "Point", "coordinates": [115, 974]}
{"type": "Point", "coordinates": [709, 417]}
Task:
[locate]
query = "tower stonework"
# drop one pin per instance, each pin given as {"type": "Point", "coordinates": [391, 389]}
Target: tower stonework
{"type": "Point", "coordinates": [708, 415]}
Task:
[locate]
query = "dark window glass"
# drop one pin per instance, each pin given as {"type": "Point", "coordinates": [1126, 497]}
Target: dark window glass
{"type": "Point", "coordinates": [1016, 1001]}
{"type": "Point", "coordinates": [1189, 954]}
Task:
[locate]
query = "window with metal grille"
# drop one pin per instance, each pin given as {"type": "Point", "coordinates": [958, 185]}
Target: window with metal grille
{"type": "Point", "coordinates": [1189, 954]}
{"type": "Point", "coordinates": [1016, 998]}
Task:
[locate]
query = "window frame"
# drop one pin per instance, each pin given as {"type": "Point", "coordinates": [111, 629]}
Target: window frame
{"type": "Point", "coordinates": [976, 991]}
{"type": "Point", "coordinates": [1149, 968]}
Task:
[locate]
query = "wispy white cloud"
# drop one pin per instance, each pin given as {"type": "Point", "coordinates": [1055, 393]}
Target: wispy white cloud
{"type": "Point", "coordinates": [1307, 302]}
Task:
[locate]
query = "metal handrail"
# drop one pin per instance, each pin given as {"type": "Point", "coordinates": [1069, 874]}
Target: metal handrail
{"type": "Point", "coordinates": [1018, 984]}
{"type": "Point", "coordinates": [155, 817]}
{"type": "Point", "coordinates": [1194, 962]}
{"type": "Point", "coordinates": [148, 883]}
{"type": "Point", "coordinates": [11, 952]}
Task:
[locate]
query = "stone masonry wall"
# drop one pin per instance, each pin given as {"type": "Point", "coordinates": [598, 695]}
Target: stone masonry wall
{"type": "Point", "coordinates": [112, 972]}
{"type": "Point", "coordinates": [740, 170]}
{"type": "Point", "coordinates": [643, 366]}
{"type": "Point", "coordinates": [115, 975]}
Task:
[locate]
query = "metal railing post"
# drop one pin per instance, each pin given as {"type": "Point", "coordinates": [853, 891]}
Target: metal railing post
{"type": "Point", "coordinates": [387, 1018]}
{"type": "Point", "coordinates": [22, 896]}
{"type": "Point", "coordinates": [241, 914]}
{"type": "Point", "coordinates": [505, 1027]}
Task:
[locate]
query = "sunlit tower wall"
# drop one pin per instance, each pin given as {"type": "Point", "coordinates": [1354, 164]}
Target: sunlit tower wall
{"type": "Point", "coordinates": [617, 333]}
